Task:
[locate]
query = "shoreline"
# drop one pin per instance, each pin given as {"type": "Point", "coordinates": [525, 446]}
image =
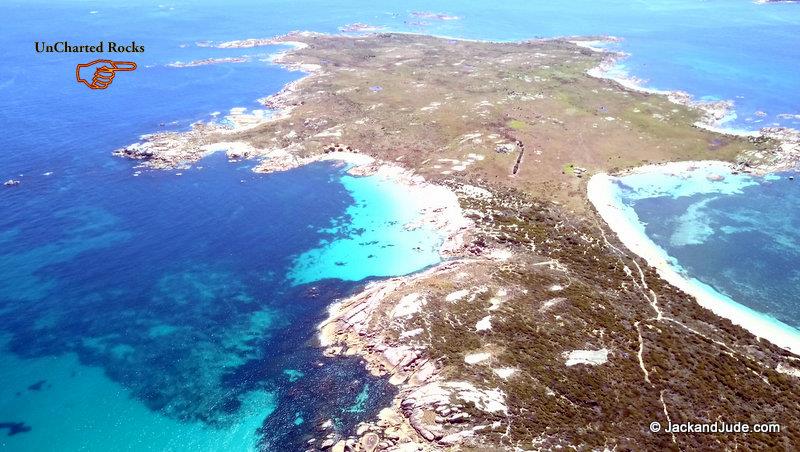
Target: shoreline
{"type": "Point", "coordinates": [348, 328]}
{"type": "Point", "coordinates": [438, 208]}
{"type": "Point", "coordinates": [181, 149]}
{"type": "Point", "coordinates": [715, 114]}
{"type": "Point", "coordinates": [603, 195]}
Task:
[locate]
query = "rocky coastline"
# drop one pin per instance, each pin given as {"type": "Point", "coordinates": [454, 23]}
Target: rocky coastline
{"type": "Point", "coordinates": [785, 154]}
{"type": "Point", "coordinates": [173, 150]}
{"type": "Point", "coordinates": [208, 61]}
{"type": "Point", "coordinates": [528, 285]}
{"type": "Point", "coordinates": [406, 423]}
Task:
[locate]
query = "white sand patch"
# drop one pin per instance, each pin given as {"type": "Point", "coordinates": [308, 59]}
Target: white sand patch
{"type": "Point", "coordinates": [490, 400]}
{"type": "Point", "coordinates": [604, 196]}
{"type": "Point", "coordinates": [411, 333]}
{"type": "Point", "coordinates": [501, 254]}
{"type": "Point", "coordinates": [505, 372]}
{"type": "Point", "coordinates": [334, 132]}
{"type": "Point", "coordinates": [550, 303]}
{"type": "Point", "coordinates": [408, 305]}
{"type": "Point", "coordinates": [475, 358]}
{"type": "Point", "coordinates": [497, 299]}
{"type": "Point", "coordinates": [555, 288]}
{"type": "Point", "coordinates": [590, 357]}
{"type": "Point", "coordinates": [472, 191]}
{"type": "Point", "coordinates": [457, 295]}
{"type": "Point", "coordinates": [788, 370]}
{"type": "Point", "coordinates": [484, 324]}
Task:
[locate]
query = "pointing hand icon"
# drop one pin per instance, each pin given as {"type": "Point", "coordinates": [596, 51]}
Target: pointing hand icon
{"type": "Point", "coordinates": [100, 73]}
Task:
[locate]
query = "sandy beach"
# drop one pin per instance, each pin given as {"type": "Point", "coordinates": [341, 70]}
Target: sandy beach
{"type": "Point", "coordinates": [623, 221]}
{"type": "Point", "coordinates": [437, 206]}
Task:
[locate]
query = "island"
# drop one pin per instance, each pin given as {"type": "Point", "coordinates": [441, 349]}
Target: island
{"type": "Point", "coordinates": [540, 329]}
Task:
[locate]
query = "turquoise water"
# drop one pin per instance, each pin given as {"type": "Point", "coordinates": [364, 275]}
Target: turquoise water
{"type": "Point", "coordinates": [77, 404]}
{"type": "Point", "coordinates": [739, 236]}
{"type": "Point", "coordinates": [375, 241]}
{"type": "Point", "coordinates": [170, 312]}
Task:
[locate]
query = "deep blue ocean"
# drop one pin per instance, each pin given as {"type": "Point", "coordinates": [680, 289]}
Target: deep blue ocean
{"type": "Point", "coordinates": [178, 312]}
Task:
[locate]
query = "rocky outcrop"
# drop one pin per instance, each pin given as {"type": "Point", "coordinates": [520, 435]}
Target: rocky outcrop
{"type": "Point", "coordinates": [168, 150]}
{"type": "Point", "coordinates": [784, 154]}
{"type": "Point", "coordinates": [428, 411]}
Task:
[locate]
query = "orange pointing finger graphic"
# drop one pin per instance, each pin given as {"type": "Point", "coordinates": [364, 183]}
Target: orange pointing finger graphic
{"type": "Point", "coordinates": [100, 73]}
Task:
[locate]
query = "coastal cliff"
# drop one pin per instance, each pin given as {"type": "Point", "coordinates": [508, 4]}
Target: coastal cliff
{"type": "Point", "coordinates": [541, 330]}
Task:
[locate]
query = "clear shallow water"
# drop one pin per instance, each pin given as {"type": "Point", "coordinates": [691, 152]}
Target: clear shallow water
{"type": "Point", "coordinates": [375, 240]}
{"type": "Point", "coordinates": [174, 312]}
{"type": "Point", "coordinates": [738, 236]}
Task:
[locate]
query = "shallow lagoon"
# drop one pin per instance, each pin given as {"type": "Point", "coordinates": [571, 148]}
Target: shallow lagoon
{"type": "Point", "coordinates": [739, 236]}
